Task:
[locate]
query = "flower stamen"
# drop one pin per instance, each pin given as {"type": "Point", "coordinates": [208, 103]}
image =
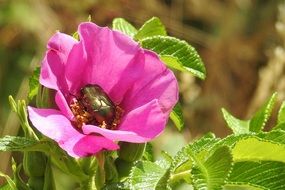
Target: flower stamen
{"type": "Point", "coordinates": [82, 116]}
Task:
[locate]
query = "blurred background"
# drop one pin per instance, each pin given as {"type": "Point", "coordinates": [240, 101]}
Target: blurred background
{"type": "Point", "coordinates": [240, 41]}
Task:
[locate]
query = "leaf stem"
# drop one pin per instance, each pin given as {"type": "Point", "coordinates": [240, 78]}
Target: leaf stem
{"type": "Point", "coordinates": [178, 176]}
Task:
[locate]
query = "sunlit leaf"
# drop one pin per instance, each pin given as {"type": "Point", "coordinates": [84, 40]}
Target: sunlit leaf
{"type": "Point", "coordinates": [177, 54]}
{"type": "Point", "coordinates": [239, 186]}
{"type": "Point", "coordinates": [236, 125]}
{"type": "Point", "coordinates": [148, 175]}
{"type": "Point", "coordinates": [213, 172]}
{"type": "Point", "coordinates": [148, 152]}
{"type": "Point", "coordinates": [260, 118]}
{"type": "Point", "coordinates": [281, 118]}
{"type": "Point", "coordinates": [123, 26]}
{"type": "Point", "coordinates": [34, 83]}
{"type": "Point", "coordinates": [152, 27]}
{"type": "Point", "coordinates": [255, 149]}
{"type": "Point", "coordinates": [177, 117]}
{"type": "Point", "coordinates": [12, 143]}
{"type": "Point", "coordinates": [265, 174]}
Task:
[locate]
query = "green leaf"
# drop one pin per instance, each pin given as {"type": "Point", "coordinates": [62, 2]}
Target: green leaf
{"type": "Point", "coordinates": [236, 125]}
{"type": "Point", "coordinates": [6, 186]}
{"type": "Point", "coordinates": [256, 149]}
{"type": "Point", "coordinates": [20, 109]}
{"type": "Point", "coordinates": [276, 136]}
{"type": "Point", "coordinates": [34, 83]}
{"type": "Point", "coordinates": [176, 54]}
{"type": "Point", "coordinates": [148, 175]}
{"type": "Point", "coordinates": [177, 116]}
{"type": "Point", "coordinates": [11, 143]}
{"type": "Point", "coordinates": [152, 27]}
{"type": "Point", "coordinates": [265, 174]}
{"type": "Point", "coordinates": [148, 152]}
{"type": "Point", "coordinates": [17, 178]}
{"type": "Point", "coordinates": [11, 183]}
{"type": "Point", "coordinates": [182, 162]}
{"type": "Point", "coordinates": [75, 35]}
{"type": "Point", "coordinates": [259, 120]}
{"type": "Point", "coordinates": [213, 172]}
{"type": "Point", "coordinates": [116, 186]}
{"type": "Point", "coordinates": [281, 118]}
{"type": "Point", "coordinates": [241, 187]}
{"type": "Point", "coordinates": [123, 26]}
{"type": "Point", "coordinates": [281, 113]}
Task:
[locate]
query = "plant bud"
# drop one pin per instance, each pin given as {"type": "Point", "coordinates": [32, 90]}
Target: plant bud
{"type": "Point", "coordinates": [131, 152]}
{"type": "Point", "coordinates": [123, 167]}
{"type": "Point", "coordinates": [34, 164]}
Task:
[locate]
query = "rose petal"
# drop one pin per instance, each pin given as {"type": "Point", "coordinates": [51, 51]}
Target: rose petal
{"type": "Point", "coordinates": [85, 146]}
{"type": "Point", "coordinates": [63, 106]}
{"type": "Point", "coordinates": [114, 60]}
{"type": "Point", "coordinates": [53, 66]}
{"type": "Point", "coordinates": [56, 126]}
{"type": "Point", "coordinates": [75, 68]}
{"type": "Point", "coordinates": [140, 125]}
{"type": "Point", "coordinates": [158, 83]}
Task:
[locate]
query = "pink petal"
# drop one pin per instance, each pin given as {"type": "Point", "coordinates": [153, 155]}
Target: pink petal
{"type": "Point", "coordinates": [140, 125]}
{"type": "Point", "coordinates": [75, 68]}
{"type": "Point", "coordinates": [125, 71]}
{"type": "Point", "coordinates": [85, 146]}
{"type": "Point", "coordinates": [56, 126]}
{"type": "Point", "coordinates": [156, 82]}
{"type": "Point", "coordinates": [63, 106]}
{"type": "Point", "coordinates": [53, 65]}
{"type": "Point", "coordinates": [115, 61]}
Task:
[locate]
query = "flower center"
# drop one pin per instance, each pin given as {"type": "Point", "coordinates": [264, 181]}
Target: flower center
{"type": "Point", "coordinates": [93, 106]}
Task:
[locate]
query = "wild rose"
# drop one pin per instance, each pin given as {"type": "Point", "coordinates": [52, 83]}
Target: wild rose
{"type": "Point", "coordinates": [140, 89]}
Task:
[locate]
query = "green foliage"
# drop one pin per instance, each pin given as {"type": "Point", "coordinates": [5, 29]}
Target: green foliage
{"type": "Point", "coordinates": [256, 149]}
{"type": "Point", "coordinates": [260, 118]}
{"type": "Point", "coordinates": [34, 83]}
{"type": "Point", "coordinates": [11, 143]}
{"type": "Point", "coordinates": [131, 152]}
{"type": "Point", "coordinates": [123, 26]}
{"type": "Point", "coordinates": [20, 109]}
{"type": "Point", "coordinates": [236, 125]}
{"type": "Point", "coordinates": [247, 160]}
{"type": "Point", "coordinates": [152, 27]}
{"type": "Point", "coordinates": [177, 117]}
{"type": "Point", "coordinates": [212, 172]}
{"type": "Point", "coordinates": [148, 175]}
{"type": "Point", "coordinates": [281, 118]}
{"type": "Point", "coordinates": [256, 123]}
{"type": "Point", "coordinates": [176, 54]}
{"type": "Point", "coordinates": [16, 182]}
{"type": "Point", "coordinates": [10, 185]}
{"type": "Point", "coordinates": [148, 152]}
{"type": "Point", "coordinates": [262, 174]}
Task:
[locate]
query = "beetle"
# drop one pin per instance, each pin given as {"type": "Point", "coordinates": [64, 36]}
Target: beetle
{"type": "Point", "coordinates": [97, 103]}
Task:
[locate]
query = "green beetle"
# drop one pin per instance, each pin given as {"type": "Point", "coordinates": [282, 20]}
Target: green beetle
{"type": "Point", "coordinates": [97, 103]}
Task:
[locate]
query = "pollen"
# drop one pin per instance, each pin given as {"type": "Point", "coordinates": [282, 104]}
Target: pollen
{"type": "Point", "coordinates": [118, 115]}
{"type": "Point", "coordinates": [81, 116]}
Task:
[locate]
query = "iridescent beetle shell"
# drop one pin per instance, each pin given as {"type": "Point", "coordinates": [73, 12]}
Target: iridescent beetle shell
{"type": "Point", "coordinates": [97, 103]}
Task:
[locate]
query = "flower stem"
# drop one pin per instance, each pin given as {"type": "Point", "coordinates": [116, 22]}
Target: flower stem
{"type": "Point", "coordinates": [100, 173]}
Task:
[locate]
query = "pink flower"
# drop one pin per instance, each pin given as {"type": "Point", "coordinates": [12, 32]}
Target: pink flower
{"type": "Point", "coordinates": [138, 84]}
